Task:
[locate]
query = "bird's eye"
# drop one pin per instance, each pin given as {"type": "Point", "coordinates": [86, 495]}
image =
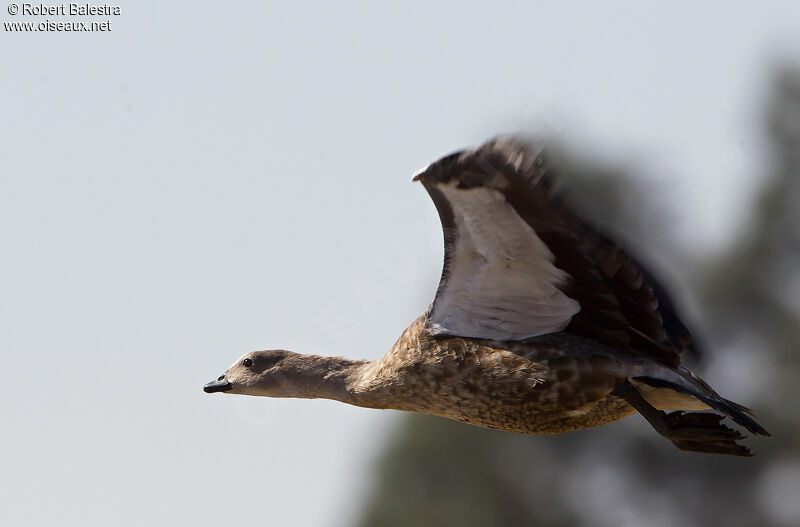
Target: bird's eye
{"type": "Point", "coordinates": [247, 363]}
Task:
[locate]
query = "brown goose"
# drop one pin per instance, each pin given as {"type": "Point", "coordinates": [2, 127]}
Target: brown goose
{"type": "Point", "coordinates": [540, 324]}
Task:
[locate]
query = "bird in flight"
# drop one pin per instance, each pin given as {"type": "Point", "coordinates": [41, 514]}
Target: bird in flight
{"type": "Point", "coordinates": [541, 324]}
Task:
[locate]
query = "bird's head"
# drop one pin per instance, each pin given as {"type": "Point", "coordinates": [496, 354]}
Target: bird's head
{"type": "Point", "coordinates": [268, 373]}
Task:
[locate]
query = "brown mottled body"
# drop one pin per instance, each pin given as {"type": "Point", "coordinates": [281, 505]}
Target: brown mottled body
{"type": "Point", "coordinates": [544, 385]}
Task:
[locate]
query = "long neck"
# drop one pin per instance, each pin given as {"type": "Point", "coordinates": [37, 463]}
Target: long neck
{"type": "Point", "coordinates": [314, 376]}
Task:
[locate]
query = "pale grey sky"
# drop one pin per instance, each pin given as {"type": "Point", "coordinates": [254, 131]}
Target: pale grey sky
{"type": "Point", "coordinates": [211, 178]}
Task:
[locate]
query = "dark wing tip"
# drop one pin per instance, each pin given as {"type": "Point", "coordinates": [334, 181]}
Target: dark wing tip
{"type": "Point", "coordinates": [479, 166]}
{"type": "Point", "coordinates": [437, 171]}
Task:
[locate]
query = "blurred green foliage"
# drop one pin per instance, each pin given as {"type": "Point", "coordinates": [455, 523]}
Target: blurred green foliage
{"type": "Point", "coordinates": [439, 472]}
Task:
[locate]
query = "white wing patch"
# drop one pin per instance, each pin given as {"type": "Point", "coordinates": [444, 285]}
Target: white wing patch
{"type": "Point", "coordinates": [500, 279]}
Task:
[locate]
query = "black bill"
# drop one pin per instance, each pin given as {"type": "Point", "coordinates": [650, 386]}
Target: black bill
{"type": "Point", "coordinates": [218, 386]}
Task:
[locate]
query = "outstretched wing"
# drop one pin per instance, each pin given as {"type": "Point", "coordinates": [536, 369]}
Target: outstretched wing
{"type": "Point", "coordinates": [520, 263]}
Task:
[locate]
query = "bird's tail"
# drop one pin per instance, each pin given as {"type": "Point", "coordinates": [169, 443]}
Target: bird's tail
{"type": "Point", "coordinates": [687, 382]}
